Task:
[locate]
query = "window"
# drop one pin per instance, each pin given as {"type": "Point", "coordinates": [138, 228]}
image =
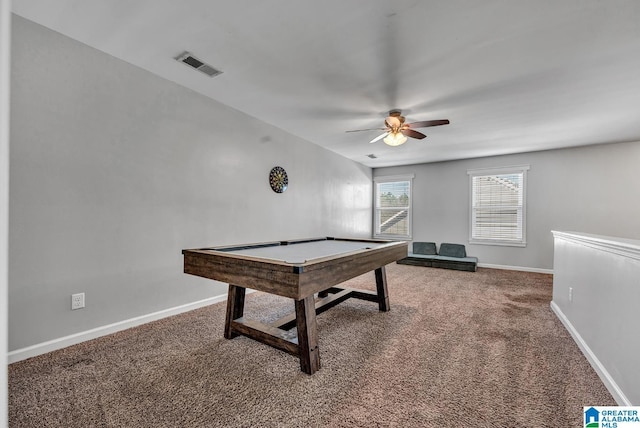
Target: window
{"type": "Point", "coordinates": [498, 206]}
{"type": "Point", "coordinates": [392, 216]}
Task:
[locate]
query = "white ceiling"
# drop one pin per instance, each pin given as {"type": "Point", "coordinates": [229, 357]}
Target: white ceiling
{"type": "Point", "coordinates": [511, 75]}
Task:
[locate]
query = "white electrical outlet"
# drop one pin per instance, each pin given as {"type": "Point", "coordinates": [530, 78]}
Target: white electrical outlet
{"type": "Point", "coordinates": [571, 294]}
{"type": "Point", "coordinates": [77, 301]}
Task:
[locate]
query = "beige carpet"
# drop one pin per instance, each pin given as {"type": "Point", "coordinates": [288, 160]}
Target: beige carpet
{"type": "Point", "coordinates": [457, 349]}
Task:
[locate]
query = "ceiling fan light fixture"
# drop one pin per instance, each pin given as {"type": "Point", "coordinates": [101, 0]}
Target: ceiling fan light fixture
{"type": "Point", "coordinates": [395, 139]}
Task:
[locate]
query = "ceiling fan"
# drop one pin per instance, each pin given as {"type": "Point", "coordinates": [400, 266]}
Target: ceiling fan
{"type": "Point", "coordinates": [396, 131]}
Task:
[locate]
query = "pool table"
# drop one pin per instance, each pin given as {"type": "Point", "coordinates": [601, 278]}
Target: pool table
{"type": "Point", "coordinates": [297, 269]}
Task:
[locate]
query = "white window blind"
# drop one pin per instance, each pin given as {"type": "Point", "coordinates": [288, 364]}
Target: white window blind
{"type": "Point", "coordinates": [498, 206]}
{"type": "Point", "coordinates": [392, 217]}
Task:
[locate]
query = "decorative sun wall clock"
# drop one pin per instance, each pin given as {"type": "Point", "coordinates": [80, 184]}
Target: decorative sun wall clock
{"type": "Point", "coordinates": [278, 179]}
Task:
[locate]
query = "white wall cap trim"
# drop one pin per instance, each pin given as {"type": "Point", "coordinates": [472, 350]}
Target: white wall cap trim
{"type": "Point", "coordinates": [629, 248]}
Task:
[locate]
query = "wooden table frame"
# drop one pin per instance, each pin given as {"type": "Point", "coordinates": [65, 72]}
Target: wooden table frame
{"type": "Point", "coordinates": [300, 282]}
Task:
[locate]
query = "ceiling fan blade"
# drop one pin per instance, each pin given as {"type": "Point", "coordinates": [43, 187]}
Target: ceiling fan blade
{"type": "Point", "coordinates": [413, 134]}
{"type": "Point", "coordinates": [379, 137]}
{"type": "Point", "coordinates": [370, 129]}
{"type": "Point", "coordinates": [427, 123]}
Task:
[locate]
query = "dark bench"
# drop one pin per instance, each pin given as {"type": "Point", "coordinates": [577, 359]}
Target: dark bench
{"type": "Point", "coordinates": [451, 256]}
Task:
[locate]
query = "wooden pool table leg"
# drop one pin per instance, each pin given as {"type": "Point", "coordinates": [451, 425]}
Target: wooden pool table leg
{"type": "Point", "coordinates": [235, 308]}
{"type": "Point", "coordinates": [307, 335]}
{"type": "Point", "coordinates": [381, 287]}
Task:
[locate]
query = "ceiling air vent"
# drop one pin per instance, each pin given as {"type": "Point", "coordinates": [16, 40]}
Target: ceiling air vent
{"type": "Point", "coordinates": [194, 62]}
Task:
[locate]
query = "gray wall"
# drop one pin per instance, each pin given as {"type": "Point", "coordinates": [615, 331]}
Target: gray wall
{"type": "Point", "coordinates": [114, 171]}
{"type": "Point", "coordinates": [592, 189]}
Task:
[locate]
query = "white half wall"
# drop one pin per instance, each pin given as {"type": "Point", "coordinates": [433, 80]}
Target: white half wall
{"type": "Point", "coordinates": [114, 171]}
{"type": "Point", "coordinates": [593, 189]}
{"type": "Point", "coordinates": [596, 294]}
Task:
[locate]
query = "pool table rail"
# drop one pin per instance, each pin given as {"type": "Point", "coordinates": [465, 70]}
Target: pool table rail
{"type": "Point", "coordinates": [285, 279]}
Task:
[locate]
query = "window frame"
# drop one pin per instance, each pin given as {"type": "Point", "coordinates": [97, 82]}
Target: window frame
{"type": "Point", "coordinates": [377, 209]}
{"type": "Point", "coordinates": [509, 170]}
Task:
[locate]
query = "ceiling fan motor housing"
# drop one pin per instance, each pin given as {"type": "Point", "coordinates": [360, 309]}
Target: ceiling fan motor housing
{"type": "Point", "coordinates": [395, 120]}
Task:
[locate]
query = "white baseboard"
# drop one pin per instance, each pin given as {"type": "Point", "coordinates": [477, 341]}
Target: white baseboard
{"type": "Point", "coordinates": [73, 339]}
{"type": "Point", "coordinates": [520, 268]}
{"type": "Point", "coordinates": [602, 372]}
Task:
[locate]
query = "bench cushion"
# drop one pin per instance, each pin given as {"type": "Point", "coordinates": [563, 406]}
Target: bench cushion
{"type": "Point", "coordinates": [452, 250]}
{"type": "Point", "coordinates": [417, 260]}
{"type": "Point", "coordinates": [423, 256]}
{"type": "Point", "coordinates": [457, 259]}
{"type": "Point", "coordinates": [469, 264]}
{"type": "Point", "coordinates": [427, 248]}
{"type": "Point", "coordinates": [452, 256]}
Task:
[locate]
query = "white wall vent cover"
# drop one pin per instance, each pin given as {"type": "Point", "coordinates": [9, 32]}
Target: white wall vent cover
{"type": "Point", "coordinates": [194, 62]}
